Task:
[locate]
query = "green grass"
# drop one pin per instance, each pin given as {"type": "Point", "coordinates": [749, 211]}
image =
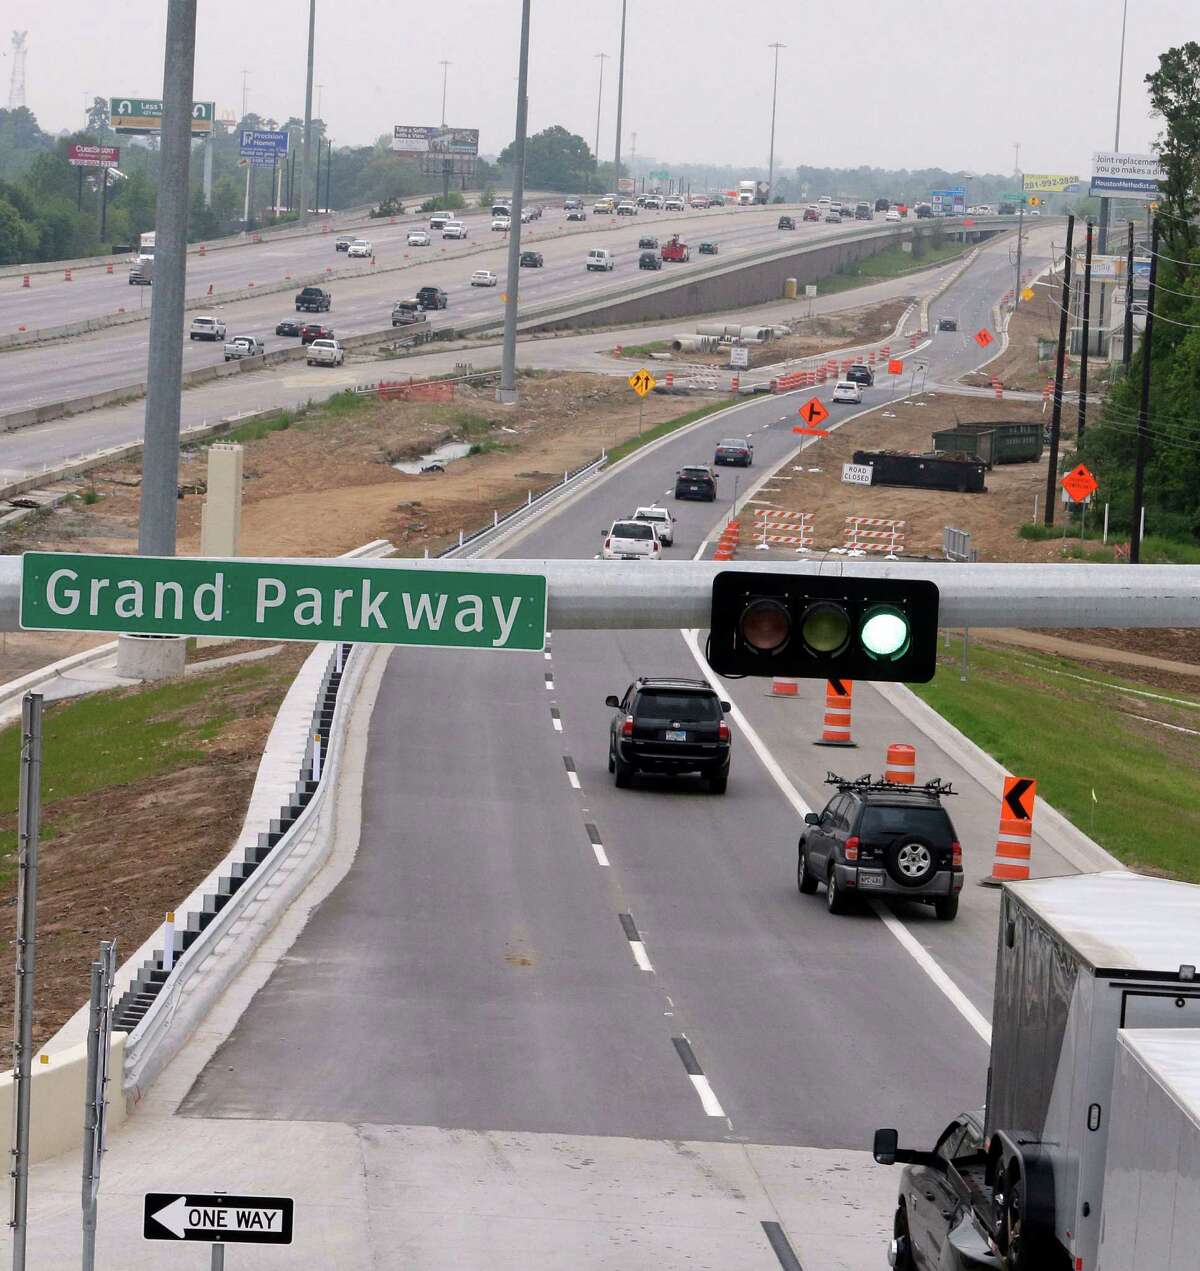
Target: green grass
{"type": "Point", "coordinates": [117, 738]}
{"type": "Point", "coordinates": [257, 429]}
{"type": "Point", "coordinates": [888, 264]}
{"type": "Point", "coordinates": [645, 350]}
{"type": "Point", "coordinates": [1156, 550]}
{"type": "Point", "coordinates": [312, 415]}
{"type": "Point", "coordinates": [628, 446]}
{"type": "Point", "coordinates": [1075, 738]}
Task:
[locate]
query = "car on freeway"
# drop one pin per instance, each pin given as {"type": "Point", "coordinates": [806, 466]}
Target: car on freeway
{"type": "Point", "coordinates": [699, 201]}
{"type": "Point", "coordinates": [882, 205]}
{"type": "Point", "coordinates": [577, 214]}
{"type": "Point", "coordinates": [502, 210]}
{"type": "Point", "coordinates": [863, 212]}
{"type": "Point", "coordinates": [650, 260]}
{"type": "Point", "coordinates": [502, 224]}
{"type": "Point", "coordinates": [846, 212]}
{"type": "Point", "coordinates": [342, 242]}
{"type": "Point", "coordinates": [439, 220]}
{"type": "Point", "coordinates": [811, 213]}
{"type": "Point", "coordinates": [454, 229]}
{"type": "Point", "coordinates": [924, 211]}
{"type": "Point", "coordinates": [325, 352]}
{"type": "Point", "coordinates": [600, 258]}
{"type": "Point", "coordinates": [1034, 212]}
{"type": "Point", "coordinates": [695, 481]}
{"type": "Point", "coordinates": [947, 324]}
{"type": "Point", "coordinates": [314, 300]}
{"type": "Point", "coordinates": [361, 248]}
{"type": "Point", "coordinates": [653, 203]}
{"type": "Point", "coordinates": [627, 207]}
{"type": "Point", "coordinates": [572, 205]}
{"type": "Point", "coordinates": [527, 215]}
{"type": "Point", "coordinates": [432, 298]}
{"type": "Point", "coordinates": [833, 217]}
{"type": "Point", "coordinates": [861, 373]}
{"type": "Point", "coordinates": [630, 540]}
{"type": "Point", "coordinates": [936, 1197]}
{"type": "Point", "coordinates": [892, 215]}
{"type": "Point", "coordinates": [406, 312]}
{"type": "Point", "coordinates": [879, 838]}
{"type": "Point", "coordinates": [673, 204]}
{"type": "Point", "coordinates": [786, 222]}
{"type": "Point", "coordinates": [736, 452]}
{"type": "Point", "coordinates": [141, 272]}
{"type": "Point", "coordinates": [532, 260]}
{"type": "Point", "coordinates": [670, 726]}
{"type": "Point", "coordinates": [203, 327]}
{"type": "Point", "coordinates": [647, 243]}
{"type": "Point", "coordinates": [602, 207]}
{"type": "Point", "coordinates": [418, 238]}
{"type": "Point", "coordinates": [244, 346]}
{"type": "Point", "coordinates": [315, 331]}
{"type": "Point", "coordinates": [483, 278]}
{"type": "Point", "coordinates": [289, 326]}
{"type": "Point", "coordinates": [847, 391]}
{"type": "Point", "coordinates": [661, 519]}
{"type": "Point", "coordinates": [676, 250]}
{"type": "Point", "coordinates": [716, 200]}
{"type": "Point", "coordinates": [709, 248]}
{"type": "Point", "coordinates": [535, 211]}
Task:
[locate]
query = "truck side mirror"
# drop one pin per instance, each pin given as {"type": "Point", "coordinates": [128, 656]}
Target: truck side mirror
{"type": "Point", "coordinates": [887, 1142]}
{"type": "Point", "coordinates": [726, 706]}
{"type": "Point", "coordinates": [814, 818]}
{"type": "Point", "coordinates": [613, 700]}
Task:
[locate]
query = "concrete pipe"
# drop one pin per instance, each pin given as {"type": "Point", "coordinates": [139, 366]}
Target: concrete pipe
{"type": "Point", "coordinates": [688, 344]}
{"type": "Point", "coordinates": [759, 335]}
{"type": "Point", "coordinates": [722, 330]}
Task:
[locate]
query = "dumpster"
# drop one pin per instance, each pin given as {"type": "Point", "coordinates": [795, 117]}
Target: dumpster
{"type": "Point", "coordinates": [926, 472]}
{"type": "Point", "coordinates": [1009, 442]}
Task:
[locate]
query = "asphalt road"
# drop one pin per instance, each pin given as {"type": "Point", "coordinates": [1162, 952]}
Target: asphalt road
{"type": "Point", "coordinates": [473, 970]}
{"type": "Point", "coordinates": [117, 356]}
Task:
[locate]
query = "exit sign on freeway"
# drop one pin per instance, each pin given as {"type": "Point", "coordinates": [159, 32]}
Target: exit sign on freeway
{"type": "Point", "coordinates": [261, 600]}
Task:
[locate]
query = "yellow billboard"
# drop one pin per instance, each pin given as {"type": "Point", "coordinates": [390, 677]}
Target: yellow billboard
{"type": "Point", "coordinates": [1047, 183]}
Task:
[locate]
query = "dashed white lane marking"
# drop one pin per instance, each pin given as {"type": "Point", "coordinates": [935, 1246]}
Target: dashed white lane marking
{"type": "Point", "coordinates": [556, 719]}
{"type": "Point", "coordinates": [550, 681]}
{"type": "Point", "coordinates": [597, 846]}
{"type": "Point", "coordinates": [708, 1100]}
{"type": "Point", "coordinates": [572, 775]}
{"type": "Point", "coordinates": [546, 655]}
{"type": "Point", "coordinates": [636, 946]}
{"type": "Point", "coordinates": [601, 858]}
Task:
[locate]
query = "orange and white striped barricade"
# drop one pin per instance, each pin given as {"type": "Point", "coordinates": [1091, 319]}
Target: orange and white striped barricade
{"type": "Point", "coordinates": [901, 764]}
{"type": "Point", "coordinates": [836, 731]}
{"type": "Point", "coordinates": [783, 529]}
{"type": "Point", "coordinates": [874, 534]}
{"type": "Point", "coordinates": [1014, 840]}
{"type": "Point", "coordinates": [781, 686]}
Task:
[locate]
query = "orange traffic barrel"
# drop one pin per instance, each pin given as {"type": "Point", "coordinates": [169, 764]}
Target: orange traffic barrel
{"type": "Point", "coordinates": [1014, 839]}
{"type": "Point", "coordinates": [836, 730]}
{"type": "Point", "coordinates": [901, 764]}
{"type": "Point", "coordinates": [783, 687]}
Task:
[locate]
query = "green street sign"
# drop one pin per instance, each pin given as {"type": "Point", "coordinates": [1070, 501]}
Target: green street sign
{"type": "Point", "coordinates": [261, 600]}
{"type": "Point", "coordinates": [142, 115]}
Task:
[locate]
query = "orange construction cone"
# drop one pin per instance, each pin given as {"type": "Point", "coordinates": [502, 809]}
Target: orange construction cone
{"type": "Point", "coordinates": [783, 687]}
{"type": "Point", "coordinates": [1014, 841]}
{"type": "Point", "coordinates": [837, 714]}
{"type": "Point", "coordinates": [901, 764]}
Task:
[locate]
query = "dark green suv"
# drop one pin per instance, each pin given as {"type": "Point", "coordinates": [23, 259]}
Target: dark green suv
{"type": "Point", "coordinates": [669, 726]}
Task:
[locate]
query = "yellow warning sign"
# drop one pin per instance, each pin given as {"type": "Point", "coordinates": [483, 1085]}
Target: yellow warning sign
{"type": "Point", "coordinates": [642, 382]}
{"type": "Point", "coordinates": [1026, 293]}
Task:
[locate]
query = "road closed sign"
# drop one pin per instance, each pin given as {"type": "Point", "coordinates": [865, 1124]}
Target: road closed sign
{"type": "Point", "coordinates": [857, 473]}
{"type": "Point", "coordinates": [267, 600]}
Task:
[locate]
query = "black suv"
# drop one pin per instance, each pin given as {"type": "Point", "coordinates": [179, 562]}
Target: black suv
{"type": "Point", "coordinates": [650, 260]}
{"type": "Point", "coordinates": [647, 243]}
{"type": "Point", "coordinates": [432, 298]}
{"type": "Point", "coordinates": [947, 324]}
{"type": "Point", "coordinates": [861, 373]}
{"type": "Point", "coordinates": [879, 839]}
{"type": "Point", "coordinates": [532, 260]}
{"type": "Point", "coordinates": [314, 299]}
{"type": "Point", "coordinates": [786, 222]}
{"type": "Point", "coordinates": [696, 482]}
{"type": "Point", "coordinates": [669, 726]}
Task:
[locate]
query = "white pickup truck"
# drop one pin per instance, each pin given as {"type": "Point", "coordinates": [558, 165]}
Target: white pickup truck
{"type": "Point", "coordinates": [206, 328]}
{"type": "Point", "coordinates": [326, 353]}
{"type": "Point", "coordinates": [244, 346]}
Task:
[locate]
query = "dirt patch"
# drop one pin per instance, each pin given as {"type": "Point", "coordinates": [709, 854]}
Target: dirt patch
{"type": "Point", "coordinates": [810, 336]}
{"type": "Point", "coordinates": [125, 834]}
{"type": "Point", "coordinates": [1165, 659]}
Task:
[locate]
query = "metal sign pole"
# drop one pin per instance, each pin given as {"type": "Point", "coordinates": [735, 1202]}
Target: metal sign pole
{"type": "Point", "coordinates": [95, 1103]}
{"type": "Point", "coordinates": [28, 826]}
{"type": "Point", "coordinates": [218, 1258]}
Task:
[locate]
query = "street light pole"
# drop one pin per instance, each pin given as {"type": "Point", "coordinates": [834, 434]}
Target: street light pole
{"type": "Point", "coordinates": [306, 158]}
{"type": "Point", "coordinates": [599, 99]}
{"type": "Point", "coordinates": [445, 72]}
{"type": "Point", "coordinates": [507, 392]}
{"type": "Point", "coordinates": [774, 91]}
{"type": "Point", "coordinates": [620, 100]}
{"type": "Point", "coordinates": [1105, 211]}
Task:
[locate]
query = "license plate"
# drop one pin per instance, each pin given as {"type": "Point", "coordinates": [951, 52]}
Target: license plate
{"type": "Point", "coordinates": [630, 556]}
{"type": "Point", "coordinates": [675, 734]}
{"type": "Point", "coordinates": [870, 878]}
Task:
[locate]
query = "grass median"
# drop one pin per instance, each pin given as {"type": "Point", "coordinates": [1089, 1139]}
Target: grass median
{"type": "Point", "coordinates": [1121, 761]}
{"type": "Point", "coordinates": [630, 444]}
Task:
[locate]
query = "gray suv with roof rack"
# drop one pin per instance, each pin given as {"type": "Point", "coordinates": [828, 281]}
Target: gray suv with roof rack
{"type": "Point", "coordinates": [672, 726]}
{"type": "Point", "coordinates": [879, 838]}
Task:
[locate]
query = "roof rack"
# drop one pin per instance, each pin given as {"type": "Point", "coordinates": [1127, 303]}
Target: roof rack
{"type": "Point", "coordinates": [937, 787]}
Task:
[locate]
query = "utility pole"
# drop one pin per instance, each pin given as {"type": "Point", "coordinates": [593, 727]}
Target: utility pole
{"type": "Point", "coordinates": [774, 92]}
{"type": "Point", "coordinates": [599, 99]}
{"type": "Point", "coordinates": [1016, 158]}
{"type": "Point", "coordinates": [1143, 430]}
{"type": "Point", "coordinates": [28, 828]}
{"type": "Point", "coordinates": [306, 160]}
{"type": "Point", "coordinates": [160, 456]}
{"type": "Point", "coordinates": [1020, 242]}
{"type": "Point", "coordinates": [1060, 366]}
{"type": "Point", "coordinates": [1127, 343]}
{"type": "Point", "coordinates": [328, 172]}
{"type": "Point", "coordinates": [1087, 335]}
{"type": "Point", "coordinates": [507, 392]}
{"type": "Point", "coordinates": [1104, 202]}
{"type": "Point", "coordinates": [445, 72]}
{"type": "Point", "coordinates": [246, 200]}
{"type": "Point", "coordinates": [620, 102]}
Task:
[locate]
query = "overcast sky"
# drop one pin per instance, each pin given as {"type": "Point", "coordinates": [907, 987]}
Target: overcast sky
{"type": "Point", "coordinates": [924, 83]}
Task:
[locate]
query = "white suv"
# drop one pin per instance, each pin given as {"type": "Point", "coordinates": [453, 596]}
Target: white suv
{"type": "Point", "coordinates": [661, 519]}
{"type": "Point", "coordinates": [206, 329]}
{"type": "Point", "coordinates": [631, 540]}
{"type": "Point", "coordinates": [361, 247]}
{"type": "Point", "coordinates": [454, 229]}
{"type": "Point", "coordinates": [847, 391]}
{"type": "Point", "coordinates": [673, 204]}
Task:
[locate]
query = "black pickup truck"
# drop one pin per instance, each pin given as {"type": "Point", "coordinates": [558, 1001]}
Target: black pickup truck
{"type": "Point", "coordinates": [314, 299]}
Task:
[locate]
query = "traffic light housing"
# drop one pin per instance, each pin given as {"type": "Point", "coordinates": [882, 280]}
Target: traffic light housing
{"type": "Point", "coordinates": [803, 626]}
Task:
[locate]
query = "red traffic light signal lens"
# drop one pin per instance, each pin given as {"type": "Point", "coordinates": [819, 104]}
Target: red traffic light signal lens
{"type": "Point", "coordinates": [825, 629]}
{"type": "Point", "coordinates": [766, 626]}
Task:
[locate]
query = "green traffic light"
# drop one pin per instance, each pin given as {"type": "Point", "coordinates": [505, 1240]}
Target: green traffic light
{"type": "Point", "coordinates": [825, 628]}
{"type": "Point", "coordinates": [885, 633]}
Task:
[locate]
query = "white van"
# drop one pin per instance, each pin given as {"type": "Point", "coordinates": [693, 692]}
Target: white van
{"type": "Point", "coordinates": [600, 258]}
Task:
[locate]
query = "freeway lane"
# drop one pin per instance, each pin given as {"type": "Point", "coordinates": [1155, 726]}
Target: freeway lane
{"type": "Point", "coordinates": [809, 1029]}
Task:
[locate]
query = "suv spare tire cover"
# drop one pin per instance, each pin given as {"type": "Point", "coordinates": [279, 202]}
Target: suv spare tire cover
{"type": "Point", "coordinates": [910, 860]}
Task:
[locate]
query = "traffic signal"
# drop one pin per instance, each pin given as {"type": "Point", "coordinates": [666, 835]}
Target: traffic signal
{"type": "Point", "coordinates": [803, 626]}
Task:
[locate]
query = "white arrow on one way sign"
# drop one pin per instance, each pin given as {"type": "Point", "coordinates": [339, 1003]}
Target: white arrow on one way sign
{"type": "Point", "coordinates": [179, 1217]}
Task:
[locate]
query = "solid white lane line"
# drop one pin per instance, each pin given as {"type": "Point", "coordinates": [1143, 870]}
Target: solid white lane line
{"type": "Point", "coordinates": [708, 1100]}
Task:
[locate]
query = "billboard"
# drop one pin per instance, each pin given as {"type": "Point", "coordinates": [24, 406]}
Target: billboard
{"type": "Point", "coordinates": [143, 115]}
{"type": "Point", "coordinates": [949, 202]}
{"type": "Point", "coordinates": [1048, 183]}
{"type": "Point", "coordinates": [79, 156]}
{"type": "Point", "coordinates": [626, 185]}
{"type": "Point", "coordinates": [263, 148]}
{"type": "Point", "coordinates": [1130, 175]}
{"type": "Point", "coordinates": [412, 141]}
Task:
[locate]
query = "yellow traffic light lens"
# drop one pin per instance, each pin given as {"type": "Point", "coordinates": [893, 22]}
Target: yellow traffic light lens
{"type": "Point", "coordinates": [766, 626]}
{"type": "Point", "coordinates": [825, 628]}
{"type": "Point", "coordinates": [885, 633]}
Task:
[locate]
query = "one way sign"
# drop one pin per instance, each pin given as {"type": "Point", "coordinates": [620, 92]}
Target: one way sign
{"type": "Point", "coordinates": [217, 1218]}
